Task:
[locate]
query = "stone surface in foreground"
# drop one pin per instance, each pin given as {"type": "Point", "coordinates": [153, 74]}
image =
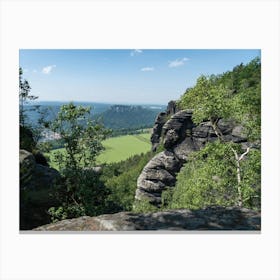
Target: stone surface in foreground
{"type": "Point", "coordinates": [214, 218]}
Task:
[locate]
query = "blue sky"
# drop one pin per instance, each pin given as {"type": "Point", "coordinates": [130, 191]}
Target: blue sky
{"type": "Point", "coordinates": [122, 76]}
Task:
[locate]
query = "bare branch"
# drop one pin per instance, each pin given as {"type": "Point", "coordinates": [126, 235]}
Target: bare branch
{"type": "Point", "coordinates": [244, 154]}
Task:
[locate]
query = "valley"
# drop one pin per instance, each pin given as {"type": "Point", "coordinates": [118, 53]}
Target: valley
{"type": "Point", "coordinates": [140, 165]}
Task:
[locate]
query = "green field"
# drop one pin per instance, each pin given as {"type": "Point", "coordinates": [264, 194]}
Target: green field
{"type": "Point", "coordinates": [123, 147]}
{"type": "Point", "coordinates": [117, 148]}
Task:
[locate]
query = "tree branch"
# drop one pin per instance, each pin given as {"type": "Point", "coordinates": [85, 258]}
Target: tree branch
{"type": "Point", "coordinates": [244, 154]}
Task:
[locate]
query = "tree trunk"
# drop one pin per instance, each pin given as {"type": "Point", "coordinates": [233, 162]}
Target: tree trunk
{"type": "Point", "coordinates": [214, 123]}
{"type": "Point", "coordinates": [238, 173]}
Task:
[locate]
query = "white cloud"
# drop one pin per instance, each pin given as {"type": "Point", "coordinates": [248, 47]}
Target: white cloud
{"type": "Point", "coordinates": [147, 69]}
{"type": "Point", "coordinates": [48, 69]}
{"type": "Point", "coordinates": [34, 71]}
{"type": "Point", "coordinates": [135, 52]}
{"type": "Point", "coordinates": [177, 62]}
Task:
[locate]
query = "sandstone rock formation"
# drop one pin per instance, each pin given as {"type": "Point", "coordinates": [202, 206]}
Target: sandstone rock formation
{"type": "Point", "coordinates": [27, 141]}
{"type": "Point", "coordinates": [27, 165]}
{"type": "Point", "coordinates": [214, 218]}
{"type": "Point", "coordinates": [37, 192]}
{"type": "Point", "coordinates": [34, 175]}
{"type": "Point", "coordinates": [160, 121]}
{"type": "Point", "coordinates": [180, 137]}
{"type": "Point", "coordinates": [156, 134]}
{"type": "Point", "coordinates": [172, 108]}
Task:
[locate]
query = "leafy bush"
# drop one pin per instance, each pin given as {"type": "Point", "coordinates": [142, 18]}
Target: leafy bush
{"type": "Point", "coordinates": [121, 181]}
{"type": "Point", "coordinates": [209, 178]}
{"type": "Point", "coordinates": [81, 192]}
{"type": "Point", "coordinates": [144, 206]}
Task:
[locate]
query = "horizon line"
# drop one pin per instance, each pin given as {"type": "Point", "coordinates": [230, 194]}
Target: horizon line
{"type": "Point", "coordinates": [100, 102]}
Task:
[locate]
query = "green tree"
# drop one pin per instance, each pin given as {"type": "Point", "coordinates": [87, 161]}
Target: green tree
{"type": "Point", "coordinates": [208, 101]}
{"type": "Point", "coordinates": [29, 135]}
{"type": "Point", "coordinates": [234, 95]}
{"type": "Point", "coordinates": [81, 136]}
{"type": "Point", "coordinates": [82, 193]}
{"type": "Point", "coordinates": [209, 178]}
{"type": "Point", "coordinates": [24, 97]}
{"type": "Point", "coordinates": [121, 179]}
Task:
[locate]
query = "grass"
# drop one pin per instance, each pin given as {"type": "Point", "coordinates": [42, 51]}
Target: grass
{"type": "Point", "coordinates": [116, 148]}
{"type": "Point", "coordinates": [123, 147]}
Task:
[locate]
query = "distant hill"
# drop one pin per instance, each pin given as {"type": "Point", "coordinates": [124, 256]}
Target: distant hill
{"type": "Point", "coordinates": [119, 117]}
{"type": "Point", "coordinates": [116, 117]}
{"type": "Point", "coordinates": [51, 109]}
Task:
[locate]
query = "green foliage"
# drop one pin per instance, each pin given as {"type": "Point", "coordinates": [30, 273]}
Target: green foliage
{"type": "Point", "coordinates": [44, 147]}
{"type": "Point", "coordinates": [24, 97]}
{"type": "Point", "coordinates": [246, 102]}
{"type": "Point", "coordinates": [206, 180]}
{"type": "Point", "coordinates": [28, 133]}
{"type": "Point", "coordinates": [209, 178]}
{"type": "Point", "coordinates": [130, 131]}
{"type": "Point", "coordinates": [247, 111]}
{"type": "Point", "coordinates": [81, 192]}
{"type": "Point", "coordinates": [82, 137]}
{"type": "Point", "coordinates": [251, 180]}
{"type": "Point", "coordinates": [123, 189]}
{"type": "Point", "coordinates": [235, 94]}
{"type": "Point", "coordinates": [66, 211]}
{"type": "Point", "coordinates": [121, 180]}
{"type": "Point", "coordinates": [144, 206]}
{"type": "Point", "coordinates": [166, 197]}
{"type": "Point", "coordinates": [208, 100]}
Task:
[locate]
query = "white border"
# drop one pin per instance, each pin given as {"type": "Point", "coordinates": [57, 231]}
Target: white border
{"type": "Point", "coordinates": [140, 24]}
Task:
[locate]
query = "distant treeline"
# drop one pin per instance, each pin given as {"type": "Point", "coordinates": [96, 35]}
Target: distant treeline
{"type": "Point", "coordinates": [122, 119]}
{"type": "Point", "coordinates": [130, 131]}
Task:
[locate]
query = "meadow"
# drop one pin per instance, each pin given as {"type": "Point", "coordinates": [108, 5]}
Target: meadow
{"type": "Point", "coordinates": [116, 148]}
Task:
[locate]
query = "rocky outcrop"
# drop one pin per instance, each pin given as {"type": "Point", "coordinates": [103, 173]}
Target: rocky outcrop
{"type": "Point", "coordinates": [215, 218]}
{"type": "Point", "coordinates": [180, 137]}
{"type": "Point", "coordinates": [34, 175]}
{"type": "Point", "coordinates": [27, 165]}
{"type": "Point", "coordinates": [37, 191]}
{"type": "Point", "coordinates": [26, 139]}
{"type": "Point", "coordinates": [157, 176]}
{"type": "Point", "coordinates": [172, 108]}
{"type": "Point", "coordinates": [160, 121]}
{"type": "Point", "coordinates": [156, 133]}
{"type": "Point", "coordinates": [40, 158]}
{"type": "Point", "coordinates": [176, 128]}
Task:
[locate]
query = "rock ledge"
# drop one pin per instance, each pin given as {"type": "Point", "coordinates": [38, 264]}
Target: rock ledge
{"type": "Point", "coordinates": [211, 218]}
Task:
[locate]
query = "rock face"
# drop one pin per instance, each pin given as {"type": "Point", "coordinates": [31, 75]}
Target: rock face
{"type": "Point", "coordinates": [172, 108]}
{"type": "Point", "coordinates": [37, 192]}
{"type": "Point", "coordinates": [180, 137]}
{"type": "Point", "coordinates": [27, 165]}
{"type": "Point", "coordinates": [156, 134]}
{"type": "Point", "coordinates": [160, 121]}
{"type": "Point", "coordinates": [34, 175]}
{"type": "Point", "coordinates": [217, 218]}
{"type": "Point", "coordinates": [156, 176]}
{"type": "Point", "coordinates": [27, 141]}
{"type": "Point", "coordinates": [176, 128]}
